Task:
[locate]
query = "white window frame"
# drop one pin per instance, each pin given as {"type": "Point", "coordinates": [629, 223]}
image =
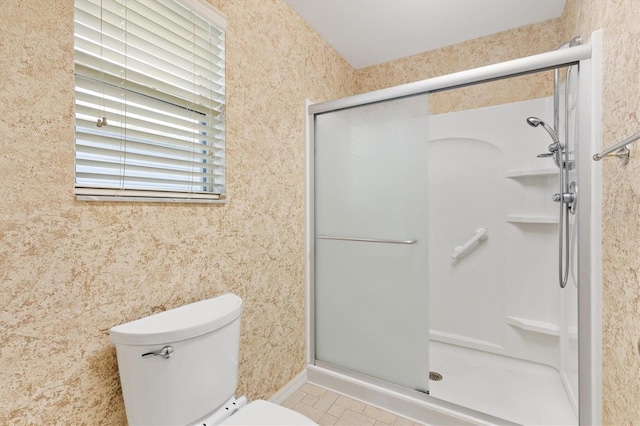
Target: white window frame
{"type": "Point", "coordinates": [149, 154]}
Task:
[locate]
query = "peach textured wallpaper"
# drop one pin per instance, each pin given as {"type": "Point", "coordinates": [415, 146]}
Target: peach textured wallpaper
{"type": "Point", "coordinates": [621, 200]}
{"type": "Point", "coordinates": [503, 46]}
{"type": "Point", "coordinates": [70, 270]}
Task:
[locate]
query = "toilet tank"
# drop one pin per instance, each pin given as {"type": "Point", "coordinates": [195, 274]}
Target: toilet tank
{"type": "Point", "coordinates": [199, 376]}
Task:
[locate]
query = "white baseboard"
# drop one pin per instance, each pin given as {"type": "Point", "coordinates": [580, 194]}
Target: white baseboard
{"type": "Point", "coordinates": [288, 389]}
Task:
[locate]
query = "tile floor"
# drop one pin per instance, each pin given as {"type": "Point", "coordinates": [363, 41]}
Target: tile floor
{"type": "Point", "coordinates": [330, 408]}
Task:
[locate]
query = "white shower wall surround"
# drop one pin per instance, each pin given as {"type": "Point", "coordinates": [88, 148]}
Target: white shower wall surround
{"type": "Point", "coordinates": [503, 296]}
{"type": "Point", "coordinates": [472, 152]}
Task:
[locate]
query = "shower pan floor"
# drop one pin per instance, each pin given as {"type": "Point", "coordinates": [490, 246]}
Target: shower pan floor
{"type": "Point", "coordinates": [519, 391]}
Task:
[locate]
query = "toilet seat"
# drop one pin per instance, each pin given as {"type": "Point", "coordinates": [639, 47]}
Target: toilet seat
{"type": "Point", "coordinates": [261, 412]}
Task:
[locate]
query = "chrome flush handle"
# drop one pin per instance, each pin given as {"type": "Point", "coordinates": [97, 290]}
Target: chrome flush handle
{"type": "Point", "coordinates": [166, 353]}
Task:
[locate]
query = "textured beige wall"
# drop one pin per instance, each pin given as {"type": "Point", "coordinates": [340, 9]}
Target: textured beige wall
{"type": "Point", "coordinates": [70, 270]}
{"type": "Point", "coordinates": [621, 200]}
{"type": "Point", "coordinates": [500, 47]}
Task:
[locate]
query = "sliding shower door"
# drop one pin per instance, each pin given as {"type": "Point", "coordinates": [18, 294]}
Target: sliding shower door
{"type": "Point", "coordinates": [371, 281]}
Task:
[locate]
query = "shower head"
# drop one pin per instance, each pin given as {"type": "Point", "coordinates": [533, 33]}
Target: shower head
{"type": "Point", "coordinates": [535, 122]}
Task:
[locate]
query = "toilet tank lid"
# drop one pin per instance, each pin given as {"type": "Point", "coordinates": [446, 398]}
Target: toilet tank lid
{"type": "Point", "coordinates": [180, 323]}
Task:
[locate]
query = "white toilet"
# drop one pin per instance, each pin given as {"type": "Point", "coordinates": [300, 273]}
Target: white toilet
{"type": "Point", "coordinates": [180, 367]}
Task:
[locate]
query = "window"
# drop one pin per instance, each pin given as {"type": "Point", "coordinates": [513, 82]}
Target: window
{"type": "Point", "coordinates": [149, 100]}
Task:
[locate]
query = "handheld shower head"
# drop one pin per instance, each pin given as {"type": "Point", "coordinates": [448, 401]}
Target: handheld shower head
{"type": "Point", "coordinates": [535, 122]}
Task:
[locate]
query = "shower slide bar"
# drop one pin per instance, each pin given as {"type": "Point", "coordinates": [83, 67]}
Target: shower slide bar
{"type": "Point", "coordinates": [366, 240]}
{"type": "Point", "coordinates": [621, 148]}
{"type": "Point", "coordinates": [481, 234]}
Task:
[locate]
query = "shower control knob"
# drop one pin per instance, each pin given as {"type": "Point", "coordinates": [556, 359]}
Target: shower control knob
{"type": "Point", "coordinates": [554, 147]}
{"type": "Point", "coordinates": [565, 197]}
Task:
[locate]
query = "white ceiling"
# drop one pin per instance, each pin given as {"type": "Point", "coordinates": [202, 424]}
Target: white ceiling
{"type": "Point", "coordinates": [370, 32]}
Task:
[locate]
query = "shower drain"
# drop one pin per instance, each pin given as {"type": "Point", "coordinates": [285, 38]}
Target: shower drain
{"type": "Point", "coordinates": [436, 377]}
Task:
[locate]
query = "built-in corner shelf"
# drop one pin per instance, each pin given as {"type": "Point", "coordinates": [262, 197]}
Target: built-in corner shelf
{"type": "Point", "coordinates": [535, 326]}
{"type": "Point", "coordinates": [521, 173]}
{"type": "Point", "coordinates": [532, 219]}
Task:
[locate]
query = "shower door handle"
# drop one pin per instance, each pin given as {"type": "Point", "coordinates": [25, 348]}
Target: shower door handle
{"type": "Point", "coordinates": [366, 240]}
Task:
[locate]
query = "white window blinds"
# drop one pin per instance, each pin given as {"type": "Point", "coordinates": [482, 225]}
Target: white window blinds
{"type": "Point", "coordinates": [150, 100]}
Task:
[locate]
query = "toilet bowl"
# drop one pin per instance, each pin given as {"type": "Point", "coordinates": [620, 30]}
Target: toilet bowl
{"type": "Point", "coordinates": [266, 413]}
{"type": "Point", "coordinates": [180, 367]}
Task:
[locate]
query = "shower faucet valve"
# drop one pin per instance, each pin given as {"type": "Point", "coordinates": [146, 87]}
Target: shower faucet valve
{"type": "Point", "coordinates": [565, 197]}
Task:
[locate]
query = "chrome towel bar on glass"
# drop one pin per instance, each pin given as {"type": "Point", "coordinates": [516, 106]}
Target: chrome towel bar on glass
{"type": "Point", "coordinates": [366, 240]}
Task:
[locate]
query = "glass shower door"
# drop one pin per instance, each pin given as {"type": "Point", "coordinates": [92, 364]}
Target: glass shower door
{"type": "Point", "coordinates": [371, 281]}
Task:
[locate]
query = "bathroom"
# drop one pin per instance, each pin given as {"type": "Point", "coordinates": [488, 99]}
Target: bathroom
{"type": "Point", "coordinates": [71, 270]}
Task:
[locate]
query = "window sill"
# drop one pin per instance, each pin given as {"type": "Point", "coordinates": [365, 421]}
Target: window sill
{"type": "Point", "coordinates": [148, 199]}
{"type": "Point", "coordinates": [105, 195]}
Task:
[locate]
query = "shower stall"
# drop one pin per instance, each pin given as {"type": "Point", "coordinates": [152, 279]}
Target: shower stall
{"type": "Point", "coordinates": [452, 247]}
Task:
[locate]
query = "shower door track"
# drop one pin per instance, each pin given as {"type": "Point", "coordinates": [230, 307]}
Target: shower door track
{"type": "Point", "coordinates": [513, 68]}
{"type": "Point", "coordinates": [588, 58]}
{"type": "Point", "coordinates": [395, 398]}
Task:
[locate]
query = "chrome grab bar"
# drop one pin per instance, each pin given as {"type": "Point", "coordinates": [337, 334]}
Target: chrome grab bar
{"type": "Point", "coordinates": [366, 240]}
{"type": "Point", "coordinates": [479, 235]}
